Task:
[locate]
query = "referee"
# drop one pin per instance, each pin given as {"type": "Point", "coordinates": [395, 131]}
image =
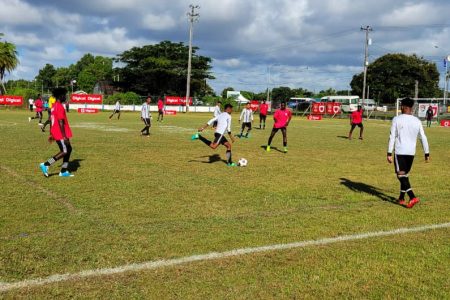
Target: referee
{"type": "Point", "coordinates": [402, 145]}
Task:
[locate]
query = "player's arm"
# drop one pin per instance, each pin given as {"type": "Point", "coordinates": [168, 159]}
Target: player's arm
{"type": "Point", "coordinates": [392, 137]}
{"type": "Point", "coordinates": [210, 123]}
{"type": "Point", "coordinates": [425, 145]}
{"type": "Point", "coordinates": [229, 130]}
{"type": "Point", "coordinates": [242, 115]}
{"type": "Point", "coordinates": [290, 118]}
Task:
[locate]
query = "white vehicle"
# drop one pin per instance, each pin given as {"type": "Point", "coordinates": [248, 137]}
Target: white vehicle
{"type": "Point", "coordinates": [349, 103]}
{"type": "Point", "coordinates": [369, 104]}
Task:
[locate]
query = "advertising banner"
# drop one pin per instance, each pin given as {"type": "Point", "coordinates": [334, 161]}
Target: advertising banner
{"type": "Point", "coordinates": [11, 100]}
{"type": "Point", "coordinates": [175, 100]}
{"type": "Point", "coordinates": [423, 107]}
{"type": "Point", "coordinates": [333, 108]}
{"type": "Point", "coordinates": [88, 110]}
{"type": "Point", "coordinates": [445, 123]}
{"type": "Point", "coordinates": [86, 99]}
{"type": "Point", "coordinates": [319, 108]}
{"type": "Point", "coordinates": [315, 117]}
{"type": "Point", "coordinates": [170, 112]}
{"type": "Point", "coordinates": [254, 105]}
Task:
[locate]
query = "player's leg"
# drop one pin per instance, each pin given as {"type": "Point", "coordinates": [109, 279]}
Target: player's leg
{"type": "Point", "coordinates": [242, 129]}
{"type": "Point", "coordinates": [272, 134]}
{"type": "Point", "coordinates": [47, 122]}
{"type": "Point", "coordinates": [249, 128]}
{"type": "Point", "coordinates": [65, 166]}
{"type": "Point", "coordinates": [45, 165]}
{"type": "Point", "coordinates": [403, 165]}
{"type": "Point", "coordinates": [284, 132]}
{"type": "Point", "coordinates": [162, 115]}
{"type": "Point", "coordinates": [260, 120]}
{"type": "Point", "coordinates": [228, 154]}
{"type": "Point", "coordinates": [351, 131]}
{"type": "Point", "coordinates": [361, 130]}
{"type": "Point", "coordinates": [264, 121]}
{"type": "Point", "coordinates": [118, 115]}
{"type": "Point", "coordinates": [144, 130]}
{"type": "Point", "coordinates": [40, 118]}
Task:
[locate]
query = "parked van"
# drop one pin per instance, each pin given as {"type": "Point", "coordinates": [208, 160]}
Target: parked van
{"type": "Point", "coordinates": [369, 104]}
{"type": "Point", "coordinates": [349, 103]}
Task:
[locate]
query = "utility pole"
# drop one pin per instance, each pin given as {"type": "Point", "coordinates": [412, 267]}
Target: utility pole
{"type": "Point", "coordinates": [367, 29]}
{"type": "Point", "coordinates": [416, 90]}
{"type": "Point", "coordinates": [446, 77]}
{"type": "Point", "coordinates": [192, 16]}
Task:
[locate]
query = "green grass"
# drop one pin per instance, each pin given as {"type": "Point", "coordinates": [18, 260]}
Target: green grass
{"type": "Point", "coordinates": [136, 199]}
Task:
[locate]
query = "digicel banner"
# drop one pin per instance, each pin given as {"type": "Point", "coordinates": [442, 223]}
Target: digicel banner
{"type": "Point", "coordinates": [175, 100]}
{"type": "Point", "coordinates": [86, 99]}
{"type": "Point", "coordinates": [333, 108]}
{"type": "Point", "coordinates": [88, 110]}
{"type": "Point", "coordinates": [445, 123]}
{"type": "Point", "coordinates": [11, 100]}
{"type": "Point", "coordinates": [319, 108]}
{"type": "Point", "coordinates": [254, 105]}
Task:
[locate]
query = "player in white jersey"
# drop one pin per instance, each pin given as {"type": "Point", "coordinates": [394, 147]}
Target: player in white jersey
{"type": "Point", "coordinates": [116, 110]}
{"type": "Point", "coordinates": [217, 112]}
{"type": "Point", "coordinates": [247, 119]}
{"type": "Point", "coordinates": [146, 117]}
{"type": "Point", "coordinates": [403, 139]}
{"type": "Point", "coordinates": [223, 126]}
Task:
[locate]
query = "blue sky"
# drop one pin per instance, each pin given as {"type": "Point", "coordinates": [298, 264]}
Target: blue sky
{"type": "Point", "coordinates": [310, 44]}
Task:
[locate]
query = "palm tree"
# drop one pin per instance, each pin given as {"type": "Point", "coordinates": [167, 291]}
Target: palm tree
{"type": "Point", "coordinates": [8, 60]}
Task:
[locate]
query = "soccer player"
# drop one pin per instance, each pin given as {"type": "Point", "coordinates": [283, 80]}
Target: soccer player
{"type": "Point", "coordinates": [146, 117]}
{"type": "Point", "coordinates": [282, 118]}
{"type": "Point", "coordinates": [51, 102]}
{"type": "Point", "coordinates": [60, 132]}
{"type": "Point", "coordinates": [263, 109]}
{"type": "Point", "coordinates": [39, 108]}
{"type": "Point", "coordinates": [116, 110]}
{"type": "Point", "coordinates": [217, 112]}
{"type": "Point", "coordinates": [247, 119]}
{"type": "Point", "coordinates": [160, 110]}
{"type": "Point", "coordinates": [31, 103]}
{"type": "Point", "coordinates": [429, 116]}
{"type": "Point", "coordinates": [403, 139]}
{"type": "Point", "coordinates": [356, 120]}
{"type": "Point", "coordinates": [223, 126]}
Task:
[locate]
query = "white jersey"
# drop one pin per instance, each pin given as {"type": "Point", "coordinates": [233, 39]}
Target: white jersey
{"type": "Point", "coordinates": [31, 101]}
{"type": "Point", "coordinates": [217, 111]}
{"type": "Point", "coordinates": [246, 116]}
{"type": "Point", "coordinates": [404, 131]}
{"type": "Point", "coordinates": [117, 107]}
{"type": "Point", "coordinates": [145, 111]}
{"type": "Point", "coordinates": [223, 123]}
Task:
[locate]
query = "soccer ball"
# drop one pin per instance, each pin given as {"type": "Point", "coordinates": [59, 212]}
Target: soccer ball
{"type": "Point", "coordinates": [242, 162]}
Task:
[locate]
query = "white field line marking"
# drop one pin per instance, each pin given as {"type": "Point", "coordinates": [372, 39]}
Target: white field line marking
{"type": "Point", "coordinates": [151, 265]}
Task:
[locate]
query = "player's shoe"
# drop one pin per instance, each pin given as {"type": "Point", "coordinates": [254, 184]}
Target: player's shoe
{"type": "Point", "coordinates": [29, 119]}
{"type": "Point", "coordinates": [401, 202]}
{"type": "Point", "coordinates": [40, 124]}
{"type": "Point", "coordinates": [361, 138]}
{"type": "Point", "coordinates": [65, 174]}
{"type": "Point", "coordinates": [285, 150]}
{"type": "Point", "coordinates": [194, 137]}
{"type": "Point", "coordinates": [42, 129]}
{"type": "Point", "coordinates": [231, 164]}
{"type": "Point", "coordinates": [268, 148]}
{"type": "Point", "coordinates": [247, 136]}
{"type": "Point", "coordinates": [44, 169]}
{"type": "Point", "coordinates": [413, 202]}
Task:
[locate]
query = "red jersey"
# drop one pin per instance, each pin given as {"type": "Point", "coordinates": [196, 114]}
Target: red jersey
{"type": "Point", "coordinates": [263, 109]}
{"type": "Point", "coordinates": [160, 104]}
{"type": "Point", "coordinates": [357, 117]}
{"type": "Point", "coordinates": [39, 105]}
{"type": "Point", "coordinates": [281, 117]}
{"type": "Point", "coordinates": [58, 114]}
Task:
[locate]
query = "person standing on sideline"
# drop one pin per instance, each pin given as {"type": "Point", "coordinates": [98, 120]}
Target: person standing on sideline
{"type": "Point", "coordinates": [160, 110]}
{"type": "Point", "coordinates": [116, 110]}
{"type": "Point", "coordinates": [30, 104]}
{"type": "Point", "coordinates": [51, 102]}
{"type": "Point", "coordinates": [247, 119]}
{"type": "Point", "coordinates": [430, 115]}
{"type": "Point", "coordinates": [282, 118]}
{"type": "Point", "coordinates": [217, 112]}
{"type": "Point", "coordinates": [402, 144]}
{"type": "Point", "coordinates": [223, 126]}
{"type": "Point", "coordinates": [263, 109]}
{"type": "Point", "coordinates": [356, 118]}
{"type": "Point", "coordinates": [61, 133]}
{"type": "Point", "coordinates": [146, 117]}
{"type": "Point", "coordinates": [39, 108]}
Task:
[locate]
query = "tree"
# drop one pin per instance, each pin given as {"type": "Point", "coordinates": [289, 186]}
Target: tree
{"type": "Point", "coordinates": [282, 93]}
{"type": "Point", "coordinates": [162, 69]}
{"type": "Point", "coordinates": [394, 76]}
{"type": "Point", "coordinates": [225, 91]}
{"type": "Point", "coordinates": [45, 76]}
{"type": "Point", "coordinates": [8, 60]}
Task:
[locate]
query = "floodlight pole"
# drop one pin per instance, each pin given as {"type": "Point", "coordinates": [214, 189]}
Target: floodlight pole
{"type": "Point", "coordinates": [447, 61]}
{"type": "Point", "coordinates": [367, 29]}
{"type": "Point", "coordinates": [193, 16]}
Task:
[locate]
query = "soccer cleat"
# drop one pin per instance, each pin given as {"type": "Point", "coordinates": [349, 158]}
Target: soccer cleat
{"type": "Point", "coordinates": [268, 148]}
{"type": "Point", "coordinates": [231, 164]}
{"type": "Point", "coordinates": [361, 138]}
{"type": "Point", "coordinates": [413, 202]}
{"type": "Point", "coordinates": [40, 124]}
{"type": "Point", "coordinates": [194, 137]}
{"type": "Point", "coordinates": [44, 169]}
{"type": "Point", "coordinates": [401, 202]}
{"type": "Point", "coordinates": [285, 150]}
{"type": "Point", "coordinates": [65, 174]}
{"type": "Point", "coordinates": [29, 119]}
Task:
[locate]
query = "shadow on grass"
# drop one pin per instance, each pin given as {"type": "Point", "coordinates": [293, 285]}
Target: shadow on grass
{"type": "Point", "coordinates": [368, 189]}
{"type": "Point", "coordinates": [211, 159]}
{"type": "Point", "coordinates": [272, 148]}
{"type": "Point", "coordinates": [342, 137]}
{"type": "Point", "coordinates": [74, 165]}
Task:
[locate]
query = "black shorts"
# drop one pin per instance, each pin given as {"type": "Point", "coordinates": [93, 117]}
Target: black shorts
{"type": "Point", "coordinates": [283, 129]}
{"type": "Point", "coordinates": [147, 122]}
{"type": "Point", "coordinates": [161, 112]}
{"type": "Point", "coordinates": [220, 139]}
{"type": "Point", "coordinates": [247, 124]}
{"type": "Point", "coordinates": [360, 125]}
{"type": "Point", "coordinates": [116, 111]}
{"type": "Point", "coordinates": [63, 146]}
{"type": "Point", "coordinates": [262, 117]}
{"type": "Point", "coordinates": [39, 114]}
{"type": "Point", "coordinates": [403, 163]}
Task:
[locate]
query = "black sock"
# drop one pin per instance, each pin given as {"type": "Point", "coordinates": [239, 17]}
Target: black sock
{"type": "Point", "coordinates": [206, 141]}
{"type": "Point", "coordinates": [229, 156]}
{"type": "Point", "coordinates": [411, 194]}
{"type": "Point", "coordinates": [402, 195]}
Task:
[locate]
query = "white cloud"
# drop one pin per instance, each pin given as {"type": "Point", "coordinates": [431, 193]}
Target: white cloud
{"type": "Point", "coordinates": [158, 22]}
{"type": "Point", "coordinates": [16, 12]}
{"type": "Point", "coordinates": [414, 14]}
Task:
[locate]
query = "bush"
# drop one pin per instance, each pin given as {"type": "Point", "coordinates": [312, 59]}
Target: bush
{"type": "Point", "coordinates": [127, 98]}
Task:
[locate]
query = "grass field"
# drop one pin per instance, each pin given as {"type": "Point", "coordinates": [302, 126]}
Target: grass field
{"type": "Point", "coordinates": [136, 199]}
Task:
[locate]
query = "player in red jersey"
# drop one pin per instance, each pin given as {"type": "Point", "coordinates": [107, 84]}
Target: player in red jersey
{"type": "Point", "coordinates": [160, 110]}
{"type": "Point", "coordinates": [282, 119]}
{"type": "Point", "coordinates": [356, 118]}
{"type": "Point", "coordinates": [61, 133]}
{"type": "Point", "coordinates": [263, 109]}
{"type": "Point", "coordinates": [39, 108]}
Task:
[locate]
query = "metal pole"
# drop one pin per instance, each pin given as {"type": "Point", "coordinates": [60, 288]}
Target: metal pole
{"type": "Point", "coordinates": [367, 29]}
{"type": "Point", "coordinates": [192, 18]}
{"type": "Point", "coordinates": [446, 81]}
